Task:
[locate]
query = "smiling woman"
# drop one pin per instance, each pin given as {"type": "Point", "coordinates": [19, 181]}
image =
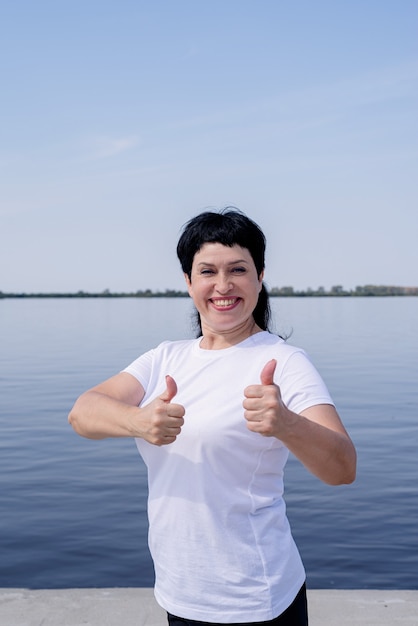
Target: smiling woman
{"type": "Point", "coordinates": [219, 537]}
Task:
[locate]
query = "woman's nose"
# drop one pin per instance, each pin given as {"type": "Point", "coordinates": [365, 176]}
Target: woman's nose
{"type": "Point", "coordinates": [223, 283]}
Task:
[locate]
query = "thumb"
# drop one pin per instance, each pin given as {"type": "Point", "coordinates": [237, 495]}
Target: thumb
{"type": "Point", "coordinates": [170, 390]}
{"type": "Point", "coordinates": [267, 374]}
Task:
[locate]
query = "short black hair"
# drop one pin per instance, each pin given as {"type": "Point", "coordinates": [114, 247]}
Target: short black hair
{"type": "Point", "coordinates": [229, 227]}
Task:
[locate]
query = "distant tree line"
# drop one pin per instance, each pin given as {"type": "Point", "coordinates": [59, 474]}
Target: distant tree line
{"type": "Point", "coordinates": [282, 292]}
{"type": "Point", "coordinates": [338, 290]}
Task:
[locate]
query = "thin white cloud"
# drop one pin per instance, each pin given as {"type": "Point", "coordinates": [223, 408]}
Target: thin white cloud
{"type": "Point", "coordinates": [382, 85]}
{"type": "Point", "coordinates": [385, 84]}
{"type": "Point", "coordinates": [105, 147]}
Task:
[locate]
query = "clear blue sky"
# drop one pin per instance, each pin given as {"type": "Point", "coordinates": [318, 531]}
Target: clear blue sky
{"type": "Point", "coordinates": [120, 120]}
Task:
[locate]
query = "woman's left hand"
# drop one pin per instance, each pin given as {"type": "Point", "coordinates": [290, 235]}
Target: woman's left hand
{"type": "Point", "coordinates": [265, 411]}
{"type": "Point", "coordinates": [316, 437]}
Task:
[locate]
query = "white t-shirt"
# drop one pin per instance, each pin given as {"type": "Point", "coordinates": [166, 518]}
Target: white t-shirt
{"type": "Point", "coordinates": [219, 535]}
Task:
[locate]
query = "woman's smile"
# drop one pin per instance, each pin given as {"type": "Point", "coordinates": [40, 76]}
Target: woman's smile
{"type": "Point", "coordinates": [224, 303]}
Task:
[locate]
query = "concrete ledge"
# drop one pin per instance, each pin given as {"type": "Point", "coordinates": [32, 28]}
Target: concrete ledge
{"type": "Point", "coordinates": [137, 607]}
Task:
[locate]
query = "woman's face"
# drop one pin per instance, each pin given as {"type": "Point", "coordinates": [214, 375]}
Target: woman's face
{"type": "Point", "coordinates": [224, 286]}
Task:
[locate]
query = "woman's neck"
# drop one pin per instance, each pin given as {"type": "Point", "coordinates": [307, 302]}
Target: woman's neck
{"type": "Point", "coordinates": [218, 340]}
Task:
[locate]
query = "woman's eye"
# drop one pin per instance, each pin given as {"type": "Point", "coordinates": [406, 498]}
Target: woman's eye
{"type": "Point", "coordinates": [238, 270]}
{"type": "Point", "coordinates": [206, 272]}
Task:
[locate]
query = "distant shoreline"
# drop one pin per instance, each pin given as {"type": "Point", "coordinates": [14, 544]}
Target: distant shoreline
{"type": "Point", "coordinates": [281, 292]}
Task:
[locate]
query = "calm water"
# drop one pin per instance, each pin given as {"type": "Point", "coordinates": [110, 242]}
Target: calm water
{"type": "Point", "coordinates": [73, 511]}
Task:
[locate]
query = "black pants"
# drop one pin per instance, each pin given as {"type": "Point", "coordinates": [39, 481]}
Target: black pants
{"type": "Point", "coordinates": [295, 615]}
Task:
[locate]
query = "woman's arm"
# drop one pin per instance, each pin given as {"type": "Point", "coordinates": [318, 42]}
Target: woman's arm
{"type": "Point", "coordinates": [111, 409]}
{"type": "Point", "coordinates": [319, 440]}
{"type": "Point", "coordinates": [316, 437]}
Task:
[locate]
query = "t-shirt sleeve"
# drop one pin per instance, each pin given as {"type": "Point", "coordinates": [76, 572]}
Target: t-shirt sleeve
{"type": "Point", "coordinates": [301, 385]}
{"type": "Point", "coordinates": [141, 368]}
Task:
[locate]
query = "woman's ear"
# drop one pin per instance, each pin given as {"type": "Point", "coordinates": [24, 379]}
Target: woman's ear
{"type": "Point", "coordinates": [188, 284]}
{"type": "Point", "coordinates": [261, 278]}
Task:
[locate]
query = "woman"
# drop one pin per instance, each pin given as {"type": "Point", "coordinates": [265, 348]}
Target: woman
{"type": "Point", "coordinates": [214, 419]}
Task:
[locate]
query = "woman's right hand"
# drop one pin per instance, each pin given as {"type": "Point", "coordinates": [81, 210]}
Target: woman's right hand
{"type": "Point", "coordinates": [162, 420]}
{"type": "Point", "coordinates": [111, 409]}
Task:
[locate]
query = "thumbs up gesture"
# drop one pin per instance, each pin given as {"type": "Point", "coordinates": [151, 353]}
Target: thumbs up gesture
{"type": "Point", "coordinates": [162, 419]}
{"type": "Point", "coordinates": [264, 408]}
